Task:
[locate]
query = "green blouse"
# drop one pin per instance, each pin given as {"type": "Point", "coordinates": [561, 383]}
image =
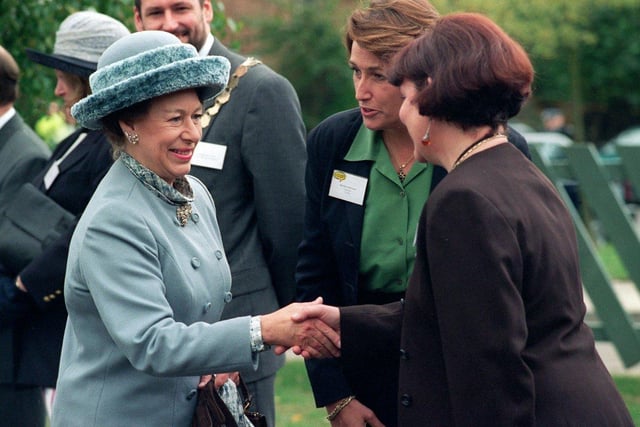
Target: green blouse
{"type": "Point", "coordinates": [392, 211]}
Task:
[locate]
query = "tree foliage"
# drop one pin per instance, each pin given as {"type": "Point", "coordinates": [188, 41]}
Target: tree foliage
{"type": "Point", "coordinates": [33, 24]}
{"type": "Point", "coordinates": [305, 41]}
{"type": "Point", "coordinates": [585, 52]}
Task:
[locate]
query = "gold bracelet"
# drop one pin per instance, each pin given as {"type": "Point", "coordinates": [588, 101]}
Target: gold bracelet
{"type": "Point", "coordinates": [339, 407]}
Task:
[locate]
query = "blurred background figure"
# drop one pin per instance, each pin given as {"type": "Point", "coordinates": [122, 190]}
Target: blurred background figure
{"type": "Point", "coordinates": [554, 120]}
{"type": "Point", "coordinates": [53, 126]}
{"type": "Point", "coordinates": [32, 308]}
{"type": "Point", "coordinates": [22, 155]}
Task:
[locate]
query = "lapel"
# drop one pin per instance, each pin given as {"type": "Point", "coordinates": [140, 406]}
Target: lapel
{"type": "Point", "coordinates": [221, 50]}
{"type": "Point", "coordinates": [78, 153]}
{"type": "Point", "coordinates": [73, 158]}
{"type": "Point", "coordinates": [235, 60]}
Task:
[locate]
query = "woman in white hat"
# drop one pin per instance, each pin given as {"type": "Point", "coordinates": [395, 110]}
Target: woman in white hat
{"type": "Point", "coordinates": [143, 297]}
{"type": "Point", "coordinates": [33, 323]}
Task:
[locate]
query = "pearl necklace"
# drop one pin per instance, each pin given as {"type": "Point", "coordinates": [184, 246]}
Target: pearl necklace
{"type": "Point", "coordinates": [473, 147]}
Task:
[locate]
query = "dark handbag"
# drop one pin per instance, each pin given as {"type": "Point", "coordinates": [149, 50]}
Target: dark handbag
{"type": "Point", "coordinates": [211, 411]}
{"type": "Point", "coordinates": [28, 224]}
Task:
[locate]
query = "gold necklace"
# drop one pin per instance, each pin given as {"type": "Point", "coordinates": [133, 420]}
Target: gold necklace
{"type": "Point", "coordinates": [401, 173]}
{"type": "Point", "coordinates": [473, 147]}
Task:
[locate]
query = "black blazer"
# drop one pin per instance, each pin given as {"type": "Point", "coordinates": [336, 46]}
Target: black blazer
{"type": "Point", "coordinates": [32, 339]}
{"type": "Point", "coordinates": [328, 257]}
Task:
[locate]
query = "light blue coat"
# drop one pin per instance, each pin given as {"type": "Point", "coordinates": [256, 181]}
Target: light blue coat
{"type": "Point", "coordinates": [143, 295]}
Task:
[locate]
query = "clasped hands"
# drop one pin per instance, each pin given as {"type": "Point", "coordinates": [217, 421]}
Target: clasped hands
{"type": "Point", "coordinates": [309, 329]}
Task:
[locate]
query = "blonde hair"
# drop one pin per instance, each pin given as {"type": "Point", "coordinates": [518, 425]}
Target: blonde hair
{"type": "Point", "coordinates": [386, 26]}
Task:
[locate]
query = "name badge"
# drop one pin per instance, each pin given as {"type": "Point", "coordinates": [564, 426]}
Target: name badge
{"type": "Point", "coordinates": [348, 187]}
{"type": "Point", "coordinates": [209, 155]}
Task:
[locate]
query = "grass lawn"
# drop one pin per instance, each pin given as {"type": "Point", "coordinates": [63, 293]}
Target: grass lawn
{"type": "Point", "coordinates": [295, 406]}
{"type": "Point", "coordinates": [294, 401]}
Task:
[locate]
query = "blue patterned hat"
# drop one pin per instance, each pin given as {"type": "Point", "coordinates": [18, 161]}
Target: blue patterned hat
{"type": "Point", "coordinates": [146, 65]}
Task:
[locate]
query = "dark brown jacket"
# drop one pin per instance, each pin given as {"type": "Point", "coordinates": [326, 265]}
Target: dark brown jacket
{"type": "Point", "coordinates": [492, 329]}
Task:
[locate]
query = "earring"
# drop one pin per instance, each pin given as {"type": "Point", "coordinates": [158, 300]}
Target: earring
{"type": "Point", "coordinates": [426, 139]}
{"type": "Point", "coordinates": [132, 137]}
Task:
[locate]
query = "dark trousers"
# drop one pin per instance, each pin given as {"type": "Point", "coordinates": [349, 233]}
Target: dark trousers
{"type": "Point", "coordinates": [21, 406]}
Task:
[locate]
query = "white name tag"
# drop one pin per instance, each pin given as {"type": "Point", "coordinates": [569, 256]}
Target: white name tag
{"type": "Point", "coordinates": [209, 155]}
{"type": "Point", "coordinates": [348, 187]}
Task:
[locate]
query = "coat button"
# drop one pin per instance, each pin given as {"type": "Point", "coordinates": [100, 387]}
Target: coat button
{"type": "Point", "coordinates": [219, 255]}
{"type": "Point", "coordinates": [206, 307]}
{"type": "Point", "coordinates": [195, 217]}
{"type": "Point", "coordinates": [404, 355]}
{"type": "Point", "coordinates": [406, 400]}
{"type": "Point", "coordinates": [191, 394]}
{"type": "Point", "coordinates": [195, 262]}
{"type": "Point", "coordinates": [228, 296]}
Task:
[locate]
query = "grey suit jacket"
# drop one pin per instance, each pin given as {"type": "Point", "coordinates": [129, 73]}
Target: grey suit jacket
{"type": "Point", "coordinates": [259, 192]}
{"type": "Point", "coordinates": [22, 156]}
{"type": "Point", "coordinates": [143, 294]}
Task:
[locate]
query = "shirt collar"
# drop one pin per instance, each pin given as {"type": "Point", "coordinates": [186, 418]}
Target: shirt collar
{"type": "Point", "coordinates": [7, 116]}
{"type": "Point", "coordinates": [206, 47]}
{"type": "Point", "coordinates": [366, 145]}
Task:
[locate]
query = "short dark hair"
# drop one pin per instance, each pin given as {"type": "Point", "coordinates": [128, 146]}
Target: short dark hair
{"type": "Point", "coordinates": [480, 75]}
{"type": "Point", "coordinates": [111, 124]}
{"type": "Point", "coordinates": [9, 76]}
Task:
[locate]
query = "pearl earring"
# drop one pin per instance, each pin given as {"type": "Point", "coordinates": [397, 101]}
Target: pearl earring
{"type": "Point", "coordinates": [132, 137]}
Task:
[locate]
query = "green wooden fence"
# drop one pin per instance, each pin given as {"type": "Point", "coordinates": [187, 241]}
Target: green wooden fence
{"type": "Point", "coordinates": [598, 184]}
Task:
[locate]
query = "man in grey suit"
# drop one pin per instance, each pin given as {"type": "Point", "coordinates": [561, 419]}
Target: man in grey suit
{"type": "Point", "coordinates": [22, 153]}
{"type": "Point", "coordinates": [22, 156]}
{"type": "Point", "coordinates": [252, 160]}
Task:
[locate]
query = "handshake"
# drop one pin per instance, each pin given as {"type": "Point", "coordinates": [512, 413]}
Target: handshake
{"type": "Point", "coordinates": [309, 329]}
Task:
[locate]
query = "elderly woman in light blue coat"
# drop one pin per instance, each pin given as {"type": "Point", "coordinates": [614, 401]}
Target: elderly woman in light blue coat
{"type": "Point", "coordinates": [142, 294]}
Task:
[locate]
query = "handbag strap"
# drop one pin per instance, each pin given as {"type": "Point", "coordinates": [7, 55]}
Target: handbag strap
{"type": "Point", "coordinates": [246, 396]}
{"type": "Point", "coordinates": [224, 96]}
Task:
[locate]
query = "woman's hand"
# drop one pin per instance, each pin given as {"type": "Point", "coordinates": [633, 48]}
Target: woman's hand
{"type": "Point", "coordinates": [204, 379]}
{"type": "Point", "coordinates": [306, 332]}
{"type": "Point", "coordinates": [220, 379]}
{"type": "Point", "coordinates": [354, 414]}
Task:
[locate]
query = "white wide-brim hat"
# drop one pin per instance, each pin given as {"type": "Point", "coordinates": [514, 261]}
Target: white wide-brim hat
{"type": "Point", "coordinates": [146, 65]}
{"type": "Point", "coordinates": [80, 40]}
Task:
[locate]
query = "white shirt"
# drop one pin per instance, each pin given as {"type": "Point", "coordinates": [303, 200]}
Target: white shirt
{"type": "Point", "coordinates": [206, 47]}
{"type": "Point", "coordinates": [7, 116]}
